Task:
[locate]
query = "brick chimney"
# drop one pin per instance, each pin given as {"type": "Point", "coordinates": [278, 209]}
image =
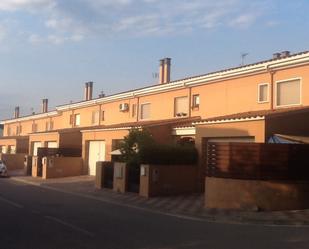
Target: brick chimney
{"type": "Point", "coordinates": [165, 71]}
{"type": "Point", "coordinates": [16, 112]}
{"type": "Point", "coordinates": [45, 105]}
{"type": "Point", "coordinates": [90, 90]}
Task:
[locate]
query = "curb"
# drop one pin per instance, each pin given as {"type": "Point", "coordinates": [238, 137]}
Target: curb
{"type": "Point", "coordinates": [219, 217]}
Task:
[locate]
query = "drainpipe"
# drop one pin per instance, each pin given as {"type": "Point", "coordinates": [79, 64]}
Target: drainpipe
{"type": "Point", "coordinates": [137, 110]}
{"type": "Point", "coordinates": [100, 115]}
{"type": "Point", "coordinates": [190, 101]}
{"type": "Point", "coordinates": [272, 73]}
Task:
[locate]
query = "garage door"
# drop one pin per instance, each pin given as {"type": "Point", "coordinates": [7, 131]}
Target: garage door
{"type": "Point", "coordinates": [52, 144]}
{"type": "Point", "coordinates": [96, 153]}
{"type": "Point", "coordinates": [231, 140]}
{"type": "Point", "coordinates": [36, 145]}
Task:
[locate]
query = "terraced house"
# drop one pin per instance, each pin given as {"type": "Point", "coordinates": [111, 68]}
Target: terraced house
{"type": "Point", "coordinates": [251, 103]}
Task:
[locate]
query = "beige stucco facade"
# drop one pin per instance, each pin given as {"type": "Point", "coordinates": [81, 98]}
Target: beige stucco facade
{"type": "Point", "coordinates": [232, 91]}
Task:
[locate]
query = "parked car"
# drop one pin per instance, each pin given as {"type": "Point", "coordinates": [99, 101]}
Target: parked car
{"type": "Point", "coordinates": [3, 169]}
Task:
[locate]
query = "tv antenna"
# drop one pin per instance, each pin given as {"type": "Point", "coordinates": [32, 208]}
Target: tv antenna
{"type": "Point", "coordinates": [155, 75]}
{"type": "Point", "coordinates": [243, 56]}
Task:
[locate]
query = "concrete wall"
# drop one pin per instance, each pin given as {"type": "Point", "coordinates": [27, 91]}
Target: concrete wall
{"type": "Point", "coordinates": [56, 167]}
{"type": "Point", "coordinates": [35, 167]}
{"type": "Point", "coordinates": [13, 161]}
{"type": "Point", "coordinates": [253, 195]}
{"type": "Point", "coordinates": [120, 177]}
{"type": "Point", "coordinates": [159, 180]}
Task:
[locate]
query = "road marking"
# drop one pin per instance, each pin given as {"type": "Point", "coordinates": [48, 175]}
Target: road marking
{"type": "Point", "coordinates": [12, 203]}
{"type": "Point", "coordinates": [76, 228]}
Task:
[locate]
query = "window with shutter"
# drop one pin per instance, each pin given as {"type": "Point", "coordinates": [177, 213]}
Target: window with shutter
{"type": "Point", "coordinates": [145, 111]}
{"type": "Point", "coordinates": [181, 106]}
{"type": "Point", "coordinates": [288, 92]}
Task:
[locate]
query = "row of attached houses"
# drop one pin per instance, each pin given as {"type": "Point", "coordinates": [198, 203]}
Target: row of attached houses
{"type": "Point", "coordinates": [251, 103]}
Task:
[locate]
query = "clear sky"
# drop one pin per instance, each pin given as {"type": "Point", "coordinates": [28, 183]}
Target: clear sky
{"type": "Point", "coordinates": [49, 48]}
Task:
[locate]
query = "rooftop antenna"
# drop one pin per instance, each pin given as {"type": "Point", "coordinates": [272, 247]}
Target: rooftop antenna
{"type": "Point", "coordinates": [102, 94]}
{"type": "Point", "coordinates": [155, 75]}
{"type": "Point", "coordinates": [243, 56]}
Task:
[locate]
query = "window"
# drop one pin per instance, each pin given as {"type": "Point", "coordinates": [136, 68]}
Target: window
{"type": "Point", "coordinates": [288, 92]}
{"type": "Point", "coordinates": [71, 119]}
{"type": "Point", "coordinates": [116, 144]}
{"type": "Point", "coordinates": [102, 115]}
{"type": "Point", "coordinates": [133, 110]}
{"type": "Point", "coordinates": [195, 100]}
{"type": "Point", "coordinates": [95, 117]}
{"type": "Point", "coordinates": [263, 93]}
{"type": "Point", "coordinates": [18, 130]}
{"type": "Point", "coordinates": [145, 111]}
{"type": "Point", "coordinates": [181, 106]}
{"type": "Point", "coordinates": [76, 119]}
{"type": "Point", "coordinates": [49, 125]}
{"type": "Point", "coordinates": [34, 127]}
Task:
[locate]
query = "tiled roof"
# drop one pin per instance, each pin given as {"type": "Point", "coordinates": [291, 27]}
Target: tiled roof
{"type": "Point", "coordinates": [14, 137]}
{"type": "Point", "coordinates": [255, 114]}
{"type": "Point", "coordinates": [148, 123]}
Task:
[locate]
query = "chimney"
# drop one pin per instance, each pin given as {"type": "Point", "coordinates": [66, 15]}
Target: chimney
{"type": "Point", "coordinates": [167, 70]}
{"type": "Point", "coordinates": [285, 54]}
{"type": "Point", "coordinates": [86, 91]}
{"type": "Point", "coordinates": [45, 105]}
{"type": "Point", "coordinates": [90, 90]}
{"type": "Point", "coordinates": [16, 113]}
{"type": "Point", "coordinates": [161, 72]}
{"type": "Point", "coordinates": [276, 56]}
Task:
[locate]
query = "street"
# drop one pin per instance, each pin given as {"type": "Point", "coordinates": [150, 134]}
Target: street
{"type": "Point", "coordinates": [33, 217]}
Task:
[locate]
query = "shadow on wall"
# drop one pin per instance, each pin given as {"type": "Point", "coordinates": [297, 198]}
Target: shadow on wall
{"type": "Point", "coordinates": [294, 124]}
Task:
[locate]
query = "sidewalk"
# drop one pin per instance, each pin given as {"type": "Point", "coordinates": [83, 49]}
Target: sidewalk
{"type": "Point", "coordinates": [189, 206]}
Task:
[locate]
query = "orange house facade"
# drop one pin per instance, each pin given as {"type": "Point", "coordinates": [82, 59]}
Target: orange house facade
{"type": "Point", "coordinates": [197, 107]}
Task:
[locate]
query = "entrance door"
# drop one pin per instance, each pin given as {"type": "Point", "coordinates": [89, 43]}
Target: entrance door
{"type": "Point", "coordinates": [96, 153]}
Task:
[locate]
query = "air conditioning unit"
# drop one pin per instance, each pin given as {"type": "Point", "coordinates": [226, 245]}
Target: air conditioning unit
{"type": "Point", "coordinates": [124, 107]}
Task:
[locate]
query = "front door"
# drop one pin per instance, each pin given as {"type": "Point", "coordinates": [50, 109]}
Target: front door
{"type": "Point", "coordinates": [96, 153]}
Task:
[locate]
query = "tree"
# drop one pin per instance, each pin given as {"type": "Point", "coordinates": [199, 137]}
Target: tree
{"type": "Point", "coordinates": [135, 141]}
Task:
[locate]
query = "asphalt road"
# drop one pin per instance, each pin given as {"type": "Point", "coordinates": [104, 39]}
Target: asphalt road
{"type": "Point", "coordinates": [33, 217]}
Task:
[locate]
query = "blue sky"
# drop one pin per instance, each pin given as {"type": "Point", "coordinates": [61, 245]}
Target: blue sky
{"type": "Point", "coordinates": [49, 48]}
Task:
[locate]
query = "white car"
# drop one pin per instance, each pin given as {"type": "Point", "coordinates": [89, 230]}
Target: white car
{"type": "Point", "coordinates": [3, 169]}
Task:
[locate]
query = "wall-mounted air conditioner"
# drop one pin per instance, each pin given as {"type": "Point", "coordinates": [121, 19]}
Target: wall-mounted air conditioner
{"type": "Point", "coordinates": [124, 107]}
